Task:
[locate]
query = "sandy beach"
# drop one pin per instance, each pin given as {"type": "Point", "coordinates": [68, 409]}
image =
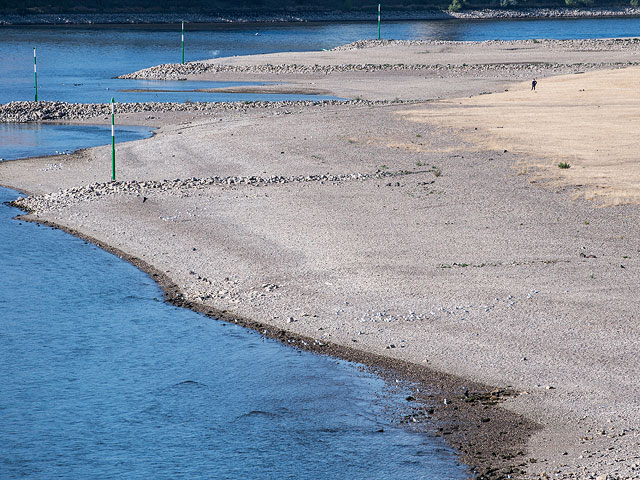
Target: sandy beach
{"type": "Point", "coordinates": [435, 235]}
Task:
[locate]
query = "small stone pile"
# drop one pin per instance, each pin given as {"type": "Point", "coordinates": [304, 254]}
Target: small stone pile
{"type": "Point", "coordinates": [23, 112]}
{"type": "Point", "coordinates": [177, 71]}
{"type": "Point", "coordinates": [594, 44]}
{"type": "Point", "coordinates": [491, 13]}
{"type": "Point", "coordinates": [167, 72]}
{"type": "Point", "coordinates": [69, 196]}
{"type": "Point", "coordinates": [181, 71]}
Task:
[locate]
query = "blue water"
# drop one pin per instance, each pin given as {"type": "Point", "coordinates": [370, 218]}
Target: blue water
{"type": "Point", "coordinates": [84, 89]}
{"type": "Point", "coordinates": [524, 29]}
{"type": "Point", "coordinates": [33, 139]}
{"type": "Point", "coordinates": [101, 379]}
{"type": "Point", "coordinates": [78, 63]}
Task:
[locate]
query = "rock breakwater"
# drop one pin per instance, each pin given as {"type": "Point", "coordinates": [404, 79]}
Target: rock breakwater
{"type": "Point", "coordinates": [591, 44]}
{"type": "Point", "coordinates": [69, 196]}
{"type": "Point", "coordinates": [308, 16]}
{"type": "Point", "coordinates": [24, 112]}
{"type": "Point", "coordinates": [177, 71]}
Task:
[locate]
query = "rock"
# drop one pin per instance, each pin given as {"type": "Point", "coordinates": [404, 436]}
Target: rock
{"type": "Point", "coordinates": [26, 111]}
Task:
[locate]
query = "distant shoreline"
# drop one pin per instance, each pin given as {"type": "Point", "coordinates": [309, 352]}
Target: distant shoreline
{"type": "Point", "coordinates": [319, 16]}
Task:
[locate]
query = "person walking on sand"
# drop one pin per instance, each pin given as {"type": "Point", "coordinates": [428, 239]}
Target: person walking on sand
{"type": "Point", "coordinates": [533, 85]}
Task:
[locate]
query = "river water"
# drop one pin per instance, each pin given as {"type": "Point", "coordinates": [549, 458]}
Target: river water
{"type": "Point", "coordinates": [101, 379]}
{"type": "Point", "coordinates": [34, 139]}
{"type": "Point", "coordinates": [77, 63]}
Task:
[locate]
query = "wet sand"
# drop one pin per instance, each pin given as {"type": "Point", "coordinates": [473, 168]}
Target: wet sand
{"type": "Point", "coordinates": [457, 269]}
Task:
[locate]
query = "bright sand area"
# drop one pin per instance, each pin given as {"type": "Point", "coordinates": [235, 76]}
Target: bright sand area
{"type": "Point", "coordinates": [588, 121]}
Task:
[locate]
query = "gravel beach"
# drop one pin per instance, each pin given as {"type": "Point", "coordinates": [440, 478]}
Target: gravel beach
{"type": "Point", "coordinates": [399, 230]}
{"type": "Point", "coordinates": [309, 16]}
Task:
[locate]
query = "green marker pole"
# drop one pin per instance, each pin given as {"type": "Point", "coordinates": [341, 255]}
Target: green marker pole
{"type": "Point", "coordinates": [35, 73]}
{"type": "Point", "coordinates": [378, 21]}
{"type": "Point", "coordinates": [113, 143]}
{"type": "Point", "coordinates": [183, 43]}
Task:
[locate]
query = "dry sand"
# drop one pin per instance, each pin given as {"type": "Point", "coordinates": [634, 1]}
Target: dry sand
{"type": "Point", "coordinates": [583, 120]}
{"type": "Point", "coordinates": [460, 265]}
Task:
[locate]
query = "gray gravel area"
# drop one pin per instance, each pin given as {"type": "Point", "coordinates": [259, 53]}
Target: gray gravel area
{"type": "Point", "coordinates": [177, 71]}
{"type": "Point", "coordinates": [66, 197]}
{"type": "Point", "coordinates": [628, 46]}
{"type": "Point", "coordinates": [24, 112]}
{"type": "Point", "coordinates": [606, 44]}
{"type": "Point", "coordinates": [308, 16]}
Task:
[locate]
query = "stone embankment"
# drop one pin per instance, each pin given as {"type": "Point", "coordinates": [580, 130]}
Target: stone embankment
{"type": "Point", "coordinates": [175, 71]}
{"type": "Point", "coordinates": [309, 16]}
{"type": "Point", "coordinates": [492, 13]}
{"type": "Point", "coordinates": [591, 44]}
{"type": "Point", "coordinates": [69, 196]}
{"type": "Point", "coordinates": [24, 112]}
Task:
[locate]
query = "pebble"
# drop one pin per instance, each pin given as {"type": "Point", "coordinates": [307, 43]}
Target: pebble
{"type": "Point", "coordinates": [179, 71]}
{"type": "Point", "coordinates": [25, 112]}
{"type": "Point", "coordinates": [66, 197]}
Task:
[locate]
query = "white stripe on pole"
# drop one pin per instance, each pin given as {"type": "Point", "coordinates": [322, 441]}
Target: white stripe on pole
{"type": "Point", "coordinates": [112, 122]}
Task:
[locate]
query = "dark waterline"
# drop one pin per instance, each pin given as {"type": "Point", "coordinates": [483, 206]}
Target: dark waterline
{"type": "Point", "coordinates": [21, 140]}
{"type": "Point", "coordinates": [78, 63]}
{"type": "Point", "coordinates": [100, 379]}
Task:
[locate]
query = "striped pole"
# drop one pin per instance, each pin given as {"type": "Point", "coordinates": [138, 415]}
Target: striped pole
{"type": "Point", "coordinates": [113, 143]}
{"type": "Point", "coordinates": [35, 73]}
{"type": "Point", "coordinates": [378, 21]}
{"type": "Point", "coordinates": [183, 43]}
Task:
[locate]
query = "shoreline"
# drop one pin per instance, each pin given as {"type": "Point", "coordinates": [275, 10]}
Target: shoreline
{"type": "Point", "coordinates": [69, 19]}
{"type": "Point", "coordinates": [465, 414]}
{"type": "Point", "coordinates": [461, 266]}
{"type": "Point", "coordinates": [411, 416]}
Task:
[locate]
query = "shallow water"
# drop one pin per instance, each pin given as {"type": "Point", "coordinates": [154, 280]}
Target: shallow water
{"type": "Point", "coordinates": [21, 140]}
{"type": "Point", "coordinates": [101, 90]}
{"type": "Point", "coordinates": [100, 379]}
{"type": "Point", "coordinates": [78, 63]}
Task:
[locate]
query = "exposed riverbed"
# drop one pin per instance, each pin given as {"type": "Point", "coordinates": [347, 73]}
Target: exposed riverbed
{"type": "Point", "coordinates": [101, 378]}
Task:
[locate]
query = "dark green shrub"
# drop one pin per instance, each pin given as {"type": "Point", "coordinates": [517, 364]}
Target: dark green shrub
{"type": "Point", "coordinates": [456, 5]}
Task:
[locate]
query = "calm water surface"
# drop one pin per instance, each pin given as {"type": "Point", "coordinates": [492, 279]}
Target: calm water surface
{"type": "Point", "coordinates": [99, 379]}
{"type": "Point", "coordinates": [78, 63]}
{"type": "Point", "coordinates": [21, 140]}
